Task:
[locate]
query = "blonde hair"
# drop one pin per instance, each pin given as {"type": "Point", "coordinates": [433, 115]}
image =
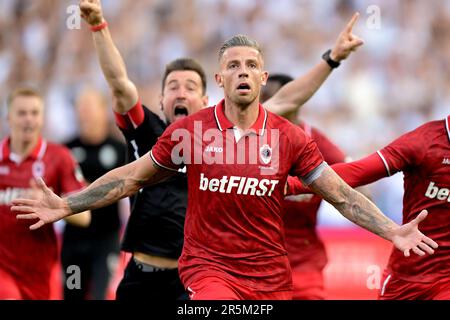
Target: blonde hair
{"type": "Point", "coordinates": [23, 92]}
{"type": "Point", "coordinates": [239, 41]}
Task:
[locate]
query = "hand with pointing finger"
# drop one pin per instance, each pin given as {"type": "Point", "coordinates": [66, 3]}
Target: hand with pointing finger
{"type": "Point", "coordinates": [347, 42]}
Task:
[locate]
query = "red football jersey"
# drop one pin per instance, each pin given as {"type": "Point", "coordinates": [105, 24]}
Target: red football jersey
{"type": "Point", "coordinates": [234, 227]}
{"type": "Point", "coordinates": [424, 157]}
{"type": "Point", "coordinates": [306, 251]}
{"type": "Point", "coordinates": [30, 255]}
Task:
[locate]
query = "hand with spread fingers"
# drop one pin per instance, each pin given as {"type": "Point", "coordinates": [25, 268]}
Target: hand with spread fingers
{"type": "Point", "coordinates": [47, 208]}
{"type": "Point", "coordinates": [408, 237]}
{"type": "Point", "coordinates": [347, 42]}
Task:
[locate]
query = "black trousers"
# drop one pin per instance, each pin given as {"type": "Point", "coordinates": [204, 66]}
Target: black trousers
{"type": "Point", "coordinates": [97, 261]}
{"type": "Point", "coordinates": [144, 282]}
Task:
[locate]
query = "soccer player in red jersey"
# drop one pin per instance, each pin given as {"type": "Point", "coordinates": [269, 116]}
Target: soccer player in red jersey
{"type": "Point", "coordinates": [306, 251]}
{"type": "Point", "coordinates": [238, 157]}
{"type": "Point", "coordinates": [423, 155]}
{"type": "Point", "coordinates": [154, 233]}
{"type": "Point", "coordinates": [27, 259]}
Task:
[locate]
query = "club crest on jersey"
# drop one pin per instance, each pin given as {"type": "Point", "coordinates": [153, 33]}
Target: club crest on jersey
{"type": "Point", "coordinates": [4, 170]}
{"type": "Point", "coordinates": [38, 169]}
{"type": "Point", "coordinates": [265, 152]}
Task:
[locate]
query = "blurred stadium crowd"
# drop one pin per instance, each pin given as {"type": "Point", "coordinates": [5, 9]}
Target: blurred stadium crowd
{"type": "Point", "coordinates": [397, 81]}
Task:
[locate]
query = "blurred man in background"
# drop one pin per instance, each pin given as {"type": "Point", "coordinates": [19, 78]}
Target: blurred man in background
{"type": "Point", "coordinates": [94, 249]}
{"type": "Point", "coordinates": [28, 258]}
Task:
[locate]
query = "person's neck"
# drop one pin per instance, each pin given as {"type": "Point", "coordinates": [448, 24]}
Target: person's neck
{"type": "Point", "coordinates": [23, 148]}
{"type": "Point", "coordinates": [242, 117]}
{"type": "Point", "coordinates": [94, 138]}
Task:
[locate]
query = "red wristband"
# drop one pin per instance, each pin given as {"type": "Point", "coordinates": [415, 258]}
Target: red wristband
{"type": "Point", "coordinates": [99, 26]}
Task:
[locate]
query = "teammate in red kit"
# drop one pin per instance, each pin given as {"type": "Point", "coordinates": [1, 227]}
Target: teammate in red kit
{"type": "Point", "coordinates": [27, 259]}
{"type": "Point", "coordinates": [238, 157]}
{"type": "Point", "coordinates": [423, 155]}
{"type": "Point", "coordinates": [306, 251]}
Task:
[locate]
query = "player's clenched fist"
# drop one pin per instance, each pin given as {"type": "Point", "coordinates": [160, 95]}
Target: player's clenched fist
{"type": "Point", "coordinates": [91, 11]}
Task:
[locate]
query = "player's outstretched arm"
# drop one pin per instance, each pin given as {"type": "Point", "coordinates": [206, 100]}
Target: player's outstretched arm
{"type": "Point", "coordinates": [294, 94]}
{"type": "Point", "coordinates": [123, 90]}
{"type": "Point", "coordinates": [355, 174]}
{"type": "Point", "coordinates": [358, 209]}
{"type": "Point", "coordinates": [81, 220]}
{"type": "Point", "coordinates": [114, 185]}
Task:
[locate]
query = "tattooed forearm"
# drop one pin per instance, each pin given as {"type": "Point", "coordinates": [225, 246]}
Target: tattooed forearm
{"type": "Point", "coordinates": [351, 204]}
{"type": "Point", "coordinates": [117, 184]}
{"type": "Point", "coordinates": [364, 213]}
{"type": "Point", "coordinates": [97, 196]}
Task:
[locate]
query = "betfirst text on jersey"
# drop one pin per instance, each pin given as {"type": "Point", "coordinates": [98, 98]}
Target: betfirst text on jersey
{"type": "Point", "coordinates": [239, 185]}
{"type": "Point", "coordinates": [9, 194]}
{"type": "Point", "coordinates": [434, 192]}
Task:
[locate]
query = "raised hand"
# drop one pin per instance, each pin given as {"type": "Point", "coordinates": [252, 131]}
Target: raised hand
{"type": "Point", "coordinates": [47, 207]}
{"type": "Point", "coordinates": [91, 11]}
{"type": "Point", "coordinates": [408, 237]}
{"type": "Point", "coordinates": [347, 42]}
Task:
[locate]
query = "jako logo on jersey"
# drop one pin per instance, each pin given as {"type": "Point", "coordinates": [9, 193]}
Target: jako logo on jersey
{"type": "Point", "coordinates": [446, 161]}
{"type": "Point", "coordinates": [212, 146]}
{"type": "Point", "coordinates": [214, 149]}
{"type": "Point", "coordinates": [240, 185]}
{"type": "Point", "coordinates": [8, 195]}
{"type": "Point", "coordinates": [441, 194]}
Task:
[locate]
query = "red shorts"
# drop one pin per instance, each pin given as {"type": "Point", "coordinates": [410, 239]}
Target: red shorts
{"type": "Point", "coordinates": [12, 288]}
{"type": "Point", "coordinates": [308, 285]}
{"type": "Point", "coordinates": [9, 289]}
{"type": "Point", "coordinates": [215, 288]}
{"type": "Point", "coordinates": [394, 288]}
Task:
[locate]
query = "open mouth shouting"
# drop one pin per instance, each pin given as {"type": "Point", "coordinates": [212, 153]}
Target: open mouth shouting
{"type": "Point", "coordinates": [180, 111]}
{"type": "Point", "coordinates": [243, 88]}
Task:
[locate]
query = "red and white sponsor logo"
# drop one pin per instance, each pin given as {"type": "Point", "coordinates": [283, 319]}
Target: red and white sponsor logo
{"type": "Point", "coordinates": [239, 185]}
{"type": "Point", "coordinates": [434, 192]}
{"type": "Point", "coordinates": [8, 195]}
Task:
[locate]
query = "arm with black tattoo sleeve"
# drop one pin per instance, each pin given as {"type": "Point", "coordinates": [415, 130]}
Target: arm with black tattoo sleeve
{"type": "Point", "coordinates": [109, 188]}
{"type": "Point", "coordinates": [360, 210]}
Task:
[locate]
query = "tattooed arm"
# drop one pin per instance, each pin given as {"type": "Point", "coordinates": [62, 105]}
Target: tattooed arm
{"type": "Point", "coordinates": [109, 188]}
{"type": "Point", "coordinates": [360, 210]}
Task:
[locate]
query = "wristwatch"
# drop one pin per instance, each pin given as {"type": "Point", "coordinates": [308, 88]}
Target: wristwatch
{"type": "Point", "coordinates": [333, 64]}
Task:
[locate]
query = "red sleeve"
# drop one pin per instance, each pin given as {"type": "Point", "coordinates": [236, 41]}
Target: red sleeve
{"type": "Point", "coordinates": [361, 172]}
{"type": "Point", "coordinates": [132, 119]}
{"type": "Point", "coordinates": [406, 151]}
{"type": "Point", "coordinates": [295, 186]}
{"type": "Point", "coordinates": [331, 153]}
{"type": "Point", "coordinates": [355, 174]}
{"type": "Point", "coordinates": [172, 146]}
{"type": "Point", "coordinates": [70, 175]}
{"type": "Point", "coordinates": [306, 155]}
